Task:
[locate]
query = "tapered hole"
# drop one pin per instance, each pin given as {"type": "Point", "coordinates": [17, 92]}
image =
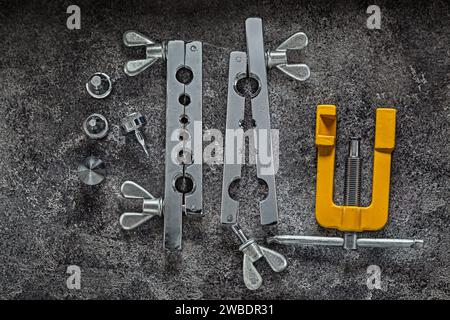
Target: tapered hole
{"type": "Point", "coordinates": [184, 75]}
{"type": "Point", "coordinates": [247, 87]}
{"type": "Point", "coordinates": [184, 119]}
{"type": "Point", "coordinates": [184, 184]}
{"type": "Point", "coordinates": [263, 189]}
{"type": "Point", "coordinates": [233, 190]}
{"type": "Point", "coordinates": [183, 135]}
{"type": "Point", "coordinates": [184, 99]}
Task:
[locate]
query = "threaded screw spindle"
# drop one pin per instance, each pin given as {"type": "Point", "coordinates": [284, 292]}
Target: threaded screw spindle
{"type": "Point", "coordinates": [353, 165]}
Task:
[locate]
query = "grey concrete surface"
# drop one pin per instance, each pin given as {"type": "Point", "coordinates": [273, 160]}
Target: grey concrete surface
{"type": "Point", "coordinates": [49, 220]}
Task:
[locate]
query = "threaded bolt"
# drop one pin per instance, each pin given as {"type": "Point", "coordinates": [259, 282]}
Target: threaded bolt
{"type": "Point", "coordinates": [238, 231]}
{"type": "Point", "coordinates": [352, 195]}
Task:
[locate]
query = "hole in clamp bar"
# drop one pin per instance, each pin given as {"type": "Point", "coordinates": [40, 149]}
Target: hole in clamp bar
{"type": "Point", "coordinates": [184, 184]}
{"type": "Point", "coordinates": [184, 119]}
{"type": "Point", "coordinates": [247, 87]}
{"type": "Point", "coordinates": [184, 75]}
{"type": "Point", "coordinates": [184, 99]}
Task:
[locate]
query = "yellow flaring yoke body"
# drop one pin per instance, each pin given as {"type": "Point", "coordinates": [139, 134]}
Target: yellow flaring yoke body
{"type": "Point", "coordinates": [350, 218]}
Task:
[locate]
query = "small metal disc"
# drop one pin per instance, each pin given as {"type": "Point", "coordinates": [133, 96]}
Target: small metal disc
{"type": "Point", "coordinates": [92, 171]}
{"type": "Point", "coordinates": [95, 126]}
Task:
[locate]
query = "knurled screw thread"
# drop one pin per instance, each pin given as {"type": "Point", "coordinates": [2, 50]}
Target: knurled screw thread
{"type": "Point", "coordinates": [238, 231]}
{"type": "Point", "coordinates": [353, 165]}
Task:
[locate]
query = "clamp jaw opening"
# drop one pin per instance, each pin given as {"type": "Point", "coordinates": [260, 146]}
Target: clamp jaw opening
{"type": "Point", "coordinates": [353, 217]}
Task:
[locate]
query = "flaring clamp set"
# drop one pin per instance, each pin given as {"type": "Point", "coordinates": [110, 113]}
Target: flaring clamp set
{"type": "Point", "coordinates": [183, 158]}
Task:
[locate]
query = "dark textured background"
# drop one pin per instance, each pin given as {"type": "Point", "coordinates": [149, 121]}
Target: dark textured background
{"type": "Point", "coordinates": [49, 220]}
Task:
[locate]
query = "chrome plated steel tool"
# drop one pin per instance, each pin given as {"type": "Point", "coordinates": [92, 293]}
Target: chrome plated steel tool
{"type": "Point", "coordinates": [254, 64]}
{"type": "Point", "coordinates": [183, 158]}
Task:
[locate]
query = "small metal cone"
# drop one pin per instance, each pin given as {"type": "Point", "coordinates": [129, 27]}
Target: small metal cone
{"type": "Point", "coordinates": [91, 172]}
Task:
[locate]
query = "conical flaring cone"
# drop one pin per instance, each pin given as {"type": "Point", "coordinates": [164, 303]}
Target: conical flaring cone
{"type": "Point", "coordinates": [92, 171]}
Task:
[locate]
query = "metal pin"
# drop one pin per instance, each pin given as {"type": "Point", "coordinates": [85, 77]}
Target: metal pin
{"type": "Point", "coordinates": [339, 242]}
{"type": "Point", "coordinates": [352, 193]}
{"type": "Point", "coordinates": [140, 139]}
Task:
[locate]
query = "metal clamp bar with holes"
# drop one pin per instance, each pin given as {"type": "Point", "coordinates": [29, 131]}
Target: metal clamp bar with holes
{"type": "Point", "coordinates": [183, 158]}
{"type": "Point", "coordinates": [351, 218]}
{"type": "Point", "coordinates": [254, 64]}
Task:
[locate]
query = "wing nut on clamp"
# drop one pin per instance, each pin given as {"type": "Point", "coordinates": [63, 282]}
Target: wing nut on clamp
{"type": "Point", "coordinates": [151, 206]}
{"type": "Point", "coordinates": [252, 253]}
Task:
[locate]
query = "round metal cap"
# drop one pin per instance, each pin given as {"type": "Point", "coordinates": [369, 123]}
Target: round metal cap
{"type": "Point", "coordinates": [95, 126]}
{"type": "Point", "coordinates": [99, 85]}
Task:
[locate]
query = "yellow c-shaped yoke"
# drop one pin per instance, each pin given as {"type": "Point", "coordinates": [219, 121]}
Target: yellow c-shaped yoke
{"type": "Point", "coordinates": [349, 218]}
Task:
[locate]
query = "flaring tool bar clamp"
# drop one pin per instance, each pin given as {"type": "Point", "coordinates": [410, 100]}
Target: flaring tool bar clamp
{"type": "Point", "coordinates": [183, 158]}
{"type": "Point", "coordinates": [254, 64]}
{"type": "Point", "coordinates": [351, 218]}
